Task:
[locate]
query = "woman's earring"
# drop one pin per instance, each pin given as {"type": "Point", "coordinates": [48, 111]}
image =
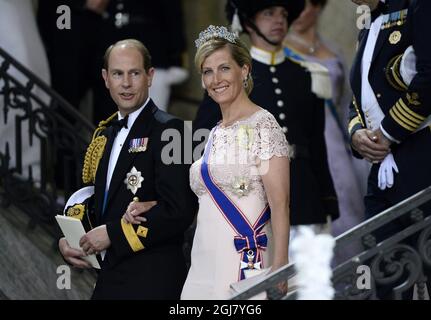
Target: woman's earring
{"type": "Point", "coordinates": [245, 82]}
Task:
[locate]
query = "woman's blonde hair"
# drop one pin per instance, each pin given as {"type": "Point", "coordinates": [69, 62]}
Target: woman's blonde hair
{"type": "Point", "coordinates": [238, 50]}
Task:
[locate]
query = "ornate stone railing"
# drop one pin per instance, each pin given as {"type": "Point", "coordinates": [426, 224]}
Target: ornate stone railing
{"type": "Point", "coordinates": [38, 119]}
{"type": "Point", "coordinates": [394, 257]}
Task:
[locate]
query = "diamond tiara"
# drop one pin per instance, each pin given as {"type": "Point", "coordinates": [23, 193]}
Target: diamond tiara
{"type": "Point", "coordinates": [213, 32]}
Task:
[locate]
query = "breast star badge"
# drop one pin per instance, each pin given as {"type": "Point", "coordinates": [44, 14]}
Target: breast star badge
{"type": "Point", "coordinates": [134, 180]}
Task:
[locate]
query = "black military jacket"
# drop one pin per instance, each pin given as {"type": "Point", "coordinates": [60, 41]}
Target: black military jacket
{"type": "Point", "coordinates": [145, 261]}
{"type": "Point", "coordinates": [405, 107]}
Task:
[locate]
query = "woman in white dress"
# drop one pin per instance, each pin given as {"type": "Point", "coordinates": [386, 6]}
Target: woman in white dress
{"type": "Point", "coordinates": [242, 180]}
{"type": "Point", "coordinates": [20, 38]}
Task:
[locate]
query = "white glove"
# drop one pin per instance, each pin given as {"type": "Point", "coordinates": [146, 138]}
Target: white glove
{"type": "Point", "coordinates": [386, 175]}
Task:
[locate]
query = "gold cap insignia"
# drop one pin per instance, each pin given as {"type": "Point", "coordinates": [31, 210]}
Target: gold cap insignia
{"type": "Point", "coordinates": [77, 211]}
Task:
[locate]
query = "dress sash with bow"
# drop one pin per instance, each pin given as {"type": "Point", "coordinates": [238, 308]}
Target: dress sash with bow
{"type": "Point", "coordinates": [250, 240]}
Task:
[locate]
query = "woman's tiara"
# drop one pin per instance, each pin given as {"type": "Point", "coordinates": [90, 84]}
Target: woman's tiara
{"type": "Point", "coordinates": [215, 32]}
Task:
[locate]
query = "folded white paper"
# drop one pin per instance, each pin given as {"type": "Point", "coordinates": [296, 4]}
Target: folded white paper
{"type": "Point", "coordinates": [73, 230]}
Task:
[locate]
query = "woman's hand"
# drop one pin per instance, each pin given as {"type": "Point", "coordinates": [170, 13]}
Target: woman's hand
{"type": "Point", "coordinates": [135, 209]}
{"type": "Point", "coordinates": [282, 286]}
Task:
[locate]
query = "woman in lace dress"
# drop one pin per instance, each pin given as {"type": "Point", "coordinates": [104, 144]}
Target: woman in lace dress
{"type": "Point", "coordinates": [242, 180]}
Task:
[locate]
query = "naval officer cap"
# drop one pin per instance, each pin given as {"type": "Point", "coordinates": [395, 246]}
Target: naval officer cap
{"type": "Point", "coordinates": [78, 202]}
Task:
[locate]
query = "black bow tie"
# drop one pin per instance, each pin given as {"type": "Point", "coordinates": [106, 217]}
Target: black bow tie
{"type": "Point", "coordinates": [118, 124]}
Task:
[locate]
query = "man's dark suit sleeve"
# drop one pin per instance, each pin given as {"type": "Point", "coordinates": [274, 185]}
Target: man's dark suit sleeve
{"type": "Point", "coordinates": [411, 110]}
{"type": "Point", "coordinates": [173, 214]}
{"type": "Point", "coordinates": [319, 161]}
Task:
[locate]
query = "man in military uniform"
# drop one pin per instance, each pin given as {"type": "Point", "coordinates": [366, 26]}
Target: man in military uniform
{"type": "Point", "coordinates": [389, 119]}
{"type": "Point", "coordinates": [283, 87]}
{"type": "Point", "coordinates": [125, 163]}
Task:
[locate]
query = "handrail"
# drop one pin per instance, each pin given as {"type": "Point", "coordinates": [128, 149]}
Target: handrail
{"type": "Point", "coordinates": [55, 128]}
{"type": "Point", "coordinates": [62, 103]}
{"type": "Point", "coordinates": [361, 231]}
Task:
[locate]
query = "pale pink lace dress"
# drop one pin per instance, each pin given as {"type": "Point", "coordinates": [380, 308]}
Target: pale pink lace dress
{"type": "Point", "coordinates": [235, 152]}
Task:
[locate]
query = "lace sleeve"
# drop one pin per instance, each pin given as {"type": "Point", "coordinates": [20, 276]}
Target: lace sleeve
{"type": "Point", "coordinates": [270, 139]}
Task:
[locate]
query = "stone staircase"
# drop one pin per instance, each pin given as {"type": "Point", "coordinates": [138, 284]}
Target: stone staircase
{"type": "Point", "coordinates": [29, 258]}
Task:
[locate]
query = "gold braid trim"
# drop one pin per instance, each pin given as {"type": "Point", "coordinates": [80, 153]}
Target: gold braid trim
{"type": "Point", "coordinates": [95, 152]}
{"type": "Point", "coordinates": [92, 158]}
{"type": "Point", "coordinates": [102, 125]}
{"type": "Point", "coordinates": [355, 104]}
{"type": "Point", "coordinates": [393, 75]}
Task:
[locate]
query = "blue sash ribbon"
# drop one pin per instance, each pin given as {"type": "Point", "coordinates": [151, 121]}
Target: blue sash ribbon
{"type": "Point", "coordinates": [250, 240]}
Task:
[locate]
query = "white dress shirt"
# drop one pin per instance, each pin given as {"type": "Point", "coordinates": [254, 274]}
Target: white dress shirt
{"type": "Point", "coordinates": [119, 141]}
{"type": "Point", "coordinates": [370, 106]}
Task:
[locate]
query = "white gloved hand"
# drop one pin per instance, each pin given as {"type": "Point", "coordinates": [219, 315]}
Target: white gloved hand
{"type": "Point", "coordinates": [386, 175]}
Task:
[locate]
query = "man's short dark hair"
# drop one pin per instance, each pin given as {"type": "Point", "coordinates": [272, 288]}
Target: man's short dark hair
{"type": "Point", "coordinates": [133, 43]}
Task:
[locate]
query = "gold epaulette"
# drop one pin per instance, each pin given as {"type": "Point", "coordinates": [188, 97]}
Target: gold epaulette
{"type": "Point", "coordinates": [95, 152]}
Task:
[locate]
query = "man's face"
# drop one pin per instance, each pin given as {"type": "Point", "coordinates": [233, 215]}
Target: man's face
{"type": "Point", "coordinates": [272, 23]}
{"type": "Point", "coordinates": [126, 78]}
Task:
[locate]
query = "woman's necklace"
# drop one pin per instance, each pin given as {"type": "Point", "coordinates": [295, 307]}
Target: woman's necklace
{"type": "Point", "coordinates": [311, 48]}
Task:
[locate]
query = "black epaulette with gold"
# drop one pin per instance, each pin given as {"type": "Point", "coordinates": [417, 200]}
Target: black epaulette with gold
{"type": "Point", "coordinates": [95, 152]}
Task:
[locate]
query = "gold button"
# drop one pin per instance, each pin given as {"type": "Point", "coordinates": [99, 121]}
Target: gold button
{"type": "Point", "coordinates": [379, 95]}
